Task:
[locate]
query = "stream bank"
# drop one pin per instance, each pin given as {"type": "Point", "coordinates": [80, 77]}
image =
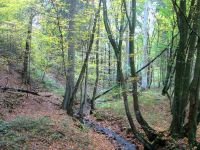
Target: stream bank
{"type": "Point", "coordinates": [124, 144]}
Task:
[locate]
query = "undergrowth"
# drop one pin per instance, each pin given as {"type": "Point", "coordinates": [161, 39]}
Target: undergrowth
{"type": "Point", "coordinates": [151, 102]}
{"type": "Point", "coordinates": [16, 133]}
{"type": "Point", "coordinates": [24, 132]}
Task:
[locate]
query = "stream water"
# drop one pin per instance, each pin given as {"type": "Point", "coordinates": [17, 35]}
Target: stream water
{"type": "Point", "coordinates": [126, 145]}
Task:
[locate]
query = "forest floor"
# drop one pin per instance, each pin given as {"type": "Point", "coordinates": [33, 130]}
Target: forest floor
{"type": "Point", "coordinates": [37, 122]}
{"type": "Point", "coordinates": [154, 107]}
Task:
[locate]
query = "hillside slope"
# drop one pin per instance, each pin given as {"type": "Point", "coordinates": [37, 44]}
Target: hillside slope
{"type": "Point", "coordinates": [37, 122]}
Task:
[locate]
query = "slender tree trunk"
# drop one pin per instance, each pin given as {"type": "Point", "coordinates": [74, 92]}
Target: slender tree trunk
{"type": "Point", "coordinates": [61, 37]}
{"type": "Point", "coordinates": [132, 21]}
{"type": "Point", "coordinates": [109, 64]}
{"type": "Point", "coordinates": [144, 84]}
{"type": "Point", "coordinates": [25, 76]}
{"type": "Point", "coordinates": [149, 68]}
{"type": "Point", "coordinates": [84, 100]}
{"type": "Point", "coordinates": [97, 70]}
{"type": "Point", "coordinates": [170, 66]}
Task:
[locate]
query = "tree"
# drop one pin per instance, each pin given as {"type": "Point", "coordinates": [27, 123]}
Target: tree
{"type": "Point", "coordinates": [145, 29]}
{"type": "Point", "coordinates": [117, 50]}
{"type": "Point", "coordinates": [85, 63]}
{"type": "Point", "coordinates": [58, 23]}
{"type": "Point", "coordinates": [183, 65]}
{"type": "Point", "coordinates": [71, 58]}
{"type": "Point", "coordinates": [97, 70]}
{"type": "Point", "coordinates": [25, 73]}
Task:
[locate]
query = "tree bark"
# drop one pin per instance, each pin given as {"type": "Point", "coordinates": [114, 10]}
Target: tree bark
{"type": "Point", "coordinates": [187, 76]}
{"type": "Point", "coordinates": [71, 101]}
{"type": "Point", "coordinates": [61, 37]}
{"type": "Point", "coordinates": [71, 57]}
{"type": "Point", "coordinates": [178, 118]}
{"type": "Point", "coordinates": [194, 89]}
{"type": "Point", "coordinates": [25, 74]}
{"type": "Point", "coordinates": [122, 82]}
{"type": "Point", "coordinates": [145, 23]}
{"type": "Point", "coordinates": [97, 70]}
{"type": "Point", "coordinates": [194, 100]}
{"type": "Point", "coordinates": [85, 98]}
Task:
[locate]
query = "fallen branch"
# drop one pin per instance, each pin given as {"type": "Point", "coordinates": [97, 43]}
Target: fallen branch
{"type": "Point", "coordinates": [18, 90]}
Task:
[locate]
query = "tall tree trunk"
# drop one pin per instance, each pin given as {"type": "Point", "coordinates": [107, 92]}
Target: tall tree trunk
{"type": "Point", "coordinates": [150, 67]}
{"type": "Point", "coordinates": [71, 100]}
{"type": "Point", "coordinates": [71, 57]}
{"type": "Point", "coordinates": [187, 76]}
{"type": "Point", "coordinates": [97, 70]}
{"type": "Point", "coordinates": [145, 23]}
{"type": "Point", "coordinates": [194, 89]}
{"type": "Point", "coordinates": [25, 74]}
{"type": "Point", "coordinates": [194, 99]}
{"type": "Point", "coordinates": [177, 109]}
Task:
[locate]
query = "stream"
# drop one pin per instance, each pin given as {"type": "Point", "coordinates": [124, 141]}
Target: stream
{"type": "Point", "coordinates": [126, 145]}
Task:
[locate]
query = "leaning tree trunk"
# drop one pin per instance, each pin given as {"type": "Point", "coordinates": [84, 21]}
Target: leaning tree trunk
{"type": "Point", "coordinates": [132, 21]}
{"type": "Point", "coordinates": [170, 67]}
{"type": "Point", "coordinates": [84, 99]}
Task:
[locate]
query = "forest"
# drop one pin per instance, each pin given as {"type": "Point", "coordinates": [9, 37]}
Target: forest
{"type": "Point", "coordinates": [99, 74]}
